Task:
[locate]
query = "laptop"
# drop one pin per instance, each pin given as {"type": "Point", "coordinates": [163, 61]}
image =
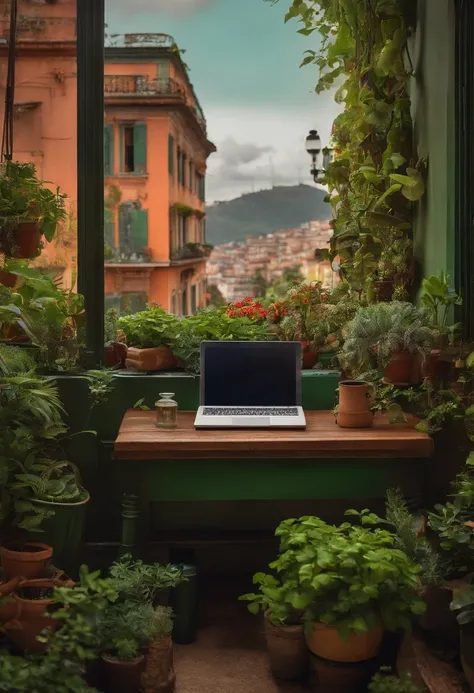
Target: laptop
{"type": "Point", "coordinates": [250, 385]}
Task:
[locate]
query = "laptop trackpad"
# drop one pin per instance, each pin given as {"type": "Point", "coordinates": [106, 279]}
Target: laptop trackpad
{"type": "Point", "coordinates": [251, 421]}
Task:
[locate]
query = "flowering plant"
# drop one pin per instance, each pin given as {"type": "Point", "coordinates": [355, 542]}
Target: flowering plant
{"type": "Point", "coordinates": [247, 308]}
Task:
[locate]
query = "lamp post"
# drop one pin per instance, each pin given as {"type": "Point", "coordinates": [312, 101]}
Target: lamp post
{"type": "Point", "coordinates": [321, 157]}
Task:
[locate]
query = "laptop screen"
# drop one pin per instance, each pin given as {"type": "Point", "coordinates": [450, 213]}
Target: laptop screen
{"type": "Point", "coordinates": [251, 374]}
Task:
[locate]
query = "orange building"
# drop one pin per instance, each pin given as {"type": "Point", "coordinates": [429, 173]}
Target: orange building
{"type": "Point", "coordinates": [156, 150]}
{"type": "Point", "coordinates": [45, 122]}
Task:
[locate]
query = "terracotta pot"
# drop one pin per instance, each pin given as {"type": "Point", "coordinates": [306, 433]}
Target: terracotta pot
{"type": "Point", "coordinates": [438, 618]}
{"type": "Point", "coordinates": [467, 654]}
{"type": "Point", "coordinates": [337, 677]}
{"type": "Point", "coordinates": [115, 354]}
{"type": "Point", "coordinates": [384, 290]}
{"type": "Point", "coordinates": [122, 676]}
{"type": "Point", "coordinates": [8, 279]}
{"type": "Point", "coordinates": [33, 599]}
{"type": "Point", "coordinates": [8, 605]}
{"type": "Point", "coordinates": [25, 560]}
{"type": "Point", "coordinates": [403, 369]}
{"type": "Point", "coordinates": [325, 642]}
{"type": "Point", "coordinates": [354, 405]}
{"type": "Point", "coordinates": [159, 670]}
{"type": "Point", "coordinates": [287, 651]}
{"type": "Point", "coordinates": [22, 241]}
{"type": "Point", "coordinates": [157, 359]}
{"type": "Point", "coordinates": [435, 368]}
{"type": "Point", "coordinates": [309, 357]}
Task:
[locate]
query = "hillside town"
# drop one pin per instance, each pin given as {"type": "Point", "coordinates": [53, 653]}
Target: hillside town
{"type": "Point", "coordinates": [233, 267]}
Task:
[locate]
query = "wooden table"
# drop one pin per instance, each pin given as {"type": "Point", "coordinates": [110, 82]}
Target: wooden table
{"type": "Point", "coordinates": [323, 461]}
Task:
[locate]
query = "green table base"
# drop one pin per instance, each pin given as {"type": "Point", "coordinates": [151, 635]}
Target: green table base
{"type": "Point", "coordinates": [145, 482]}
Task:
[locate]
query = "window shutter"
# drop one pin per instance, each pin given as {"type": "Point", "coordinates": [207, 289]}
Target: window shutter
{"type": "Point", "coordinates": [184, 170]}
{"type": "Point", "coordinates": [139, 230]}
{"type": "Point", "coordinates": [171, 155]}
{"type": "Point", "coordinates": [139, 142]}
{"type": "Point", "coordinates": [108, 150]}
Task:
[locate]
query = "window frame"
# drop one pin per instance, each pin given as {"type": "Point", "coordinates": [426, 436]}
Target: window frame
{"type": "Point", "coordinates": [90, 173]}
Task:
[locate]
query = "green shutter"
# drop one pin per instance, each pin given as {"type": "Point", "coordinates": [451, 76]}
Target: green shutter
{"type": "Point", "coordinates": [131, 302]}
{"type": "Point", "coordinates": [139, 137]}
{"type": "Point", "coordinates": [108, 150]}
{"type": "Point", "coordinates": [171, 155]}
{"type": "Point", "coordinates": [139, 230]}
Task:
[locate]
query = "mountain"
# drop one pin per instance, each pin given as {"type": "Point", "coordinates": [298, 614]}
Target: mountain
{"type": "Point", "coordinates": [254, 214]}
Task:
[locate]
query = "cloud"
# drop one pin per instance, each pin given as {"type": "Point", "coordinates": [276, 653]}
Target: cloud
{"type": "Point", "coordinates": [171, 7]}
{"type": "Point", "coordinates": [266, 147]}
{"type": "Point", "coordinates": [233, 153]}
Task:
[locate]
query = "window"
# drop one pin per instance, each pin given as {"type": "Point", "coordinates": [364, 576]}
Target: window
{"type": "Point", "coordinates": [134, 143]}
{"type": "Point", "coordinates": [193, 298]}
{"type": "Point", "coordinates": [201, 187]}
{"type": "Point", "coordinates": [132, 302]}
{"type": "Point", "coordinates": [171, 155]}
{"type": "Point", "coordinates": [184, 302]}
{"type": "Point", "coordinates": [108, 150]}
{"type": "Point", "coordinates": [133, 229]}
{"type": "Point", "coordinates": [191, 176]}
{"type": "Point", "coordinates": [183, 181]}
{"type": "Point", "coordinates": [182, 230]}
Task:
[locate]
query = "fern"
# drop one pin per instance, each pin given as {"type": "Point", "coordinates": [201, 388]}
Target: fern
{"type": "Point", "coordinates": [416, 547]}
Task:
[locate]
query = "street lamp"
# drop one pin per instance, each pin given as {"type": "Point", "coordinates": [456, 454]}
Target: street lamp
{"type": "Point", "coordinates": [321, 158]}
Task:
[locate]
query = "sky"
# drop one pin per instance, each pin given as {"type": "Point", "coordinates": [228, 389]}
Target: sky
{"type": "Point", "coordinates": [244, 65]}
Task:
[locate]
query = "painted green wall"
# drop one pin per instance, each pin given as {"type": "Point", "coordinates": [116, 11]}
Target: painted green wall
{"type": "Point", "coordinates": [433, 56]}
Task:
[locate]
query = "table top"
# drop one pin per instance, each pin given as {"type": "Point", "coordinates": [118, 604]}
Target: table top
{"type": "Point", "coordinates": [140, 439]}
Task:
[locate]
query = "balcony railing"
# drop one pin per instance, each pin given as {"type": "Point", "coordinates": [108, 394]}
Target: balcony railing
{"type": "Point", "coordinates": [143, 86]}
{"type": "Point", "coordinates": [40, 29]}
{"type": "Point", "coordinates": [191, 251]}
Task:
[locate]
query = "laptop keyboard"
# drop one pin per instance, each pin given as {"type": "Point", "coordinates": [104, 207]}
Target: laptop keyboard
{"type": "Point", "coordinates": [250, 411]}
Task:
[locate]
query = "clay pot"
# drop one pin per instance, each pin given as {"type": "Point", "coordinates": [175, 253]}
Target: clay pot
{"type": "Point", "coordinates": [403, 369]}
{"type": "Point", "coordinates": [25, 560]}
{"type": "Point", "coordinates": [8, 279]}
{"type": "Point", "coordinates": [438, 618]}
{"type": "Point", "coordinates": [384, 291]}
{"type": "Point", "coordinates": [325, 642]}
{"type": "Point", "coordinates": [287, 651]}
{"type": "Point", "coordinates": [309, 357]}
{"type": "Point", "coordinates": [159, 673]}
{"type": "Point", "coordinates": [33, 598]}
{"type": "Point", "coordinates": [354, 405]}
{"type": "Point", "coordinates": [337, 677]}
{"type": "Point", "coordinates": [22, 241]}
{"type": "Point", "coordinates": [115, 354]}
{"type": "Point", "coordinates": [467, 654]}
{"type": "Point", "coordinates": [8, 605]}
{"type": "Point", "coordinates": [122, 676]}
{"type": "Point", "coordinates": [157, 359]}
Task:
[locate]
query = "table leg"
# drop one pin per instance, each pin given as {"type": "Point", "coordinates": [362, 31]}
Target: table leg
{"type": "Point", "coordinates": [130, 518]}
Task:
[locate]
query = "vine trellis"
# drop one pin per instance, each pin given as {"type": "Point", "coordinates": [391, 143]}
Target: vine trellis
{"type": "Point", "coordinates": [376, 178]}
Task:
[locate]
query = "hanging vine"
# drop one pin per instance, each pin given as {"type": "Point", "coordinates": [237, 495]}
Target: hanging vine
{"type": "Point", "coordinates": [376, 178]}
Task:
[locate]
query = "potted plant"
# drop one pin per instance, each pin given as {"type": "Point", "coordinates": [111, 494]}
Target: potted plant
{"type": "Point", "coordinates": [214, 324]}
{"type": "Point", "coordinates": [137, 581]}
{"type": "Point", "coordinates": [388, 683]}
{"type": "Point", "coordinates": [159, 669]}
{"type": "Point", "coordinates": [297, 317]}
{"type": "Point", "coordinates": [439, 300]}
{"type": "Point", "coordinates": [353, 584]}
{"type": "Point", "coordinates": [284, 632]}
{"type": "Point", "coordinates": [127, 629]}
{"type": "Point", "coordinates": [391, 336]}
{"type": "Point", "coordinates": [115, 351]}
{"type": "Point", "coordinates": [149, 335]}
{"type": "Point", "coordinates": [33, 599]}
{"type": "Point", "coordinates": [29, 210]}
{"type": "Point", "coordinates": [463, 603]}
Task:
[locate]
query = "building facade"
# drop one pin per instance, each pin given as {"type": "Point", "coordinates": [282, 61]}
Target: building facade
{"type": "Point", "coordinates": [45, 118]}
{"type": "Point", "coordinates": [156, 149]}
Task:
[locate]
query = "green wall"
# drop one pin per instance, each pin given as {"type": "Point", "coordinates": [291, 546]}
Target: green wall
{"type": "Point", "coordinates": [433, 103]}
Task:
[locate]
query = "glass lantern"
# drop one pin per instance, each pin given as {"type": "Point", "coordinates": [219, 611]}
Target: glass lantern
{"type": "Point", "coordinates": [166, 411]}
